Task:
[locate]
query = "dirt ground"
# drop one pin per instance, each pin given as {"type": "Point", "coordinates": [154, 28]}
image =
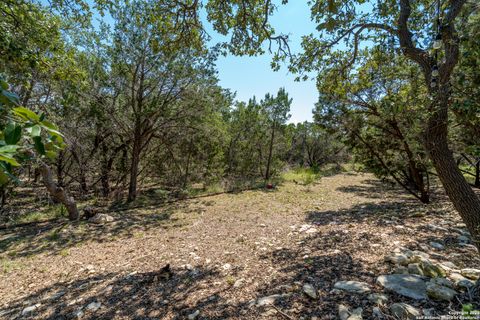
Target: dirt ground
{"type": "Point", "coordinates": [225, 251]}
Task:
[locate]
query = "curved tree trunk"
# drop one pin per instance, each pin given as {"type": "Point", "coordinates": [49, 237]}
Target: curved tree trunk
{"type": "Point", "coordinates": [58, 193]}
{"type": "Point", "coordinates": [464, 199]}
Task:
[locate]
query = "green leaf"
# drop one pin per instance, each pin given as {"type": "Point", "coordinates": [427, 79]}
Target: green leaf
{"type": "Point", "coordinates": [9, 98]}
{"type": "Point", "coordinates": [12, 133]}
{"type": "Point", "coordinates": [39, 146]}
{"type": "Point", "coordinates": [10, 160]}
{"type": "Point", "coordinates": [9, 149]}
{"type": "Point", "coordinates": [26, 114]}
{"type": "Point", "coordinates": [36, 130]}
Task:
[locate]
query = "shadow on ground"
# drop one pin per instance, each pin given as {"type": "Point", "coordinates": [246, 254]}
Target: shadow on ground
{"type": "Point", "coordinates": [55, 236]}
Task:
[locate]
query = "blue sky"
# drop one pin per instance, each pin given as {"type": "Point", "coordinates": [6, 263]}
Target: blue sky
{"type": "Point", "coordinates": [249, 76]}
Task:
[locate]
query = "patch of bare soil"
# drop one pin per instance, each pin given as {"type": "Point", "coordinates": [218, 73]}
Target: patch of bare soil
{"type": "Point", "coordinates": [225, 252]}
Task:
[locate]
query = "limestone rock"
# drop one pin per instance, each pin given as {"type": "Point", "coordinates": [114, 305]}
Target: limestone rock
{"type": "Point", "coordinates": [30, 309]}
{"type": "Point", "coordinates": [268, 300]}
{"type": "Point", "coordinates": [397, 258]}
{"type": "Point", "coordinates": [343, 312]}
{"type": "Point", "coordinates": [411, 285]}
{"type": "Point", "coordinates": [377, 313]}
{"type": "Point", "coordinates": [94, 306]}
{"type": "Point", "coordinates": [193, 316]}
{"type": "Point", "coordinates": [377, 298]}
{"type": "Point", "coordinates": [436, 245]}
{"type": "Point", "coordinates": [415, 268]}
{"type": "Point", "coordinates": [310, 291]}
{"type": "Point", "coordinates": [442, 282]}
{"type": "Point", "coordinates": [404, 311]}
{"type": "Point", "coordinates": [438, 292]}
{"type": "Point", "coordinates": [460, 281]}
{"type": "Point", "coordinates": [352, 286]}
{"type": "Point", "coordinates": [432, 270]}
{"type": "Point", "coordinates": [471, 273]}
{"type": "Point", "coordinates": [101, 218]}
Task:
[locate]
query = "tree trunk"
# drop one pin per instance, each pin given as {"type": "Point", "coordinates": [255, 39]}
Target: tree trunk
{"type": "Point", "coordinates": [270, 152]}
{"type": "Point", "coordinates": [58, 193]}
{"type": "Point", "coordinates": [477, 173]}
{"type": "Point", "coordinates": [457, 188]}
{"type": "Point", "coordinates": [137, 145]}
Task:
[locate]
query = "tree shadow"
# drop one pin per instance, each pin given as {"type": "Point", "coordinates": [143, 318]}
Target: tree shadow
{"type": "Point", "coordinates": [57, 235]}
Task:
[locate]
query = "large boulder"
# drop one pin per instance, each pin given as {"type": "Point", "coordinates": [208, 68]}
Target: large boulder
{"type": "Point", "coordinates": [408, 285]}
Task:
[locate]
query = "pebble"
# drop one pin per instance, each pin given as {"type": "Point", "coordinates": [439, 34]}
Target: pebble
{"type": "Point", "coordinates": [194, 315]}
{"type": "Point", "coordinates": [94, 306]}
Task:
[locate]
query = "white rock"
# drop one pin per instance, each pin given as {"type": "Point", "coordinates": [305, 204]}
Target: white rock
{"type": "Point", "coordinates": [227, 266]}
{"type": "Point", "coordinates": [377, 298]}
{"type": "Point", "coordinates": [436, 245]}
{"type": "Point", "coordinates": [30, 309]}
{"type": "Point", "coordinates": [352, 286]}
{"type": "Point", "coordinates": [343, 312]}
{"type": "Point", "coordinates": [310, 291]}
{"type": "Point", "coordinates": [194, 315]}
{"type": "Point", "coordinates": [471, 273]}
{"type": "Point", "coordinates": [94, 306]}
{"type": "Point", "coordinates": [404, 311]}
{"type": "Point", "coordinates": [101, 218]}
{"type": "Point", "coordinates": [377, 313]}
{"type": "Point", "coordinates": [268, 300]}
{"type": "Point", "coordinates": [397, 258]}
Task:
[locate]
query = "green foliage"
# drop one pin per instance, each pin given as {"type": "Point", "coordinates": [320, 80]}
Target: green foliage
{"type": "Point", "coordinates": [24, 127]}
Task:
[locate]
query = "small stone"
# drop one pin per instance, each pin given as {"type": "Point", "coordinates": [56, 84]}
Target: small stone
{"type": "Point", "coordinates": [436, 245]}
{"type": "Point", "coordinates": [343, 312]}
{"type": "Point", "coordinates": [238, 283]}
{"type": "Point", "coordinates": [404, 311]}
{"type": "Point", "coordinates": [268, 300]}
{"type": "Point", "coordinates": [415, 268]}
{"type": "Point", "coordinates": [463, 239]}
{"type": "Point", "coordinates": [356, 314]}
{"type": "Point", "coordinates": [78, 313]}
{"type": "Point", "coordinates": [101, 218]}
{"type": "Point", "coordinates": [397, 258]}
{"type": "Point", "coordinates": [400, 270]}
{"type": "Point", "coordinates": [428, 312]}
{"type": "Point", "coordinates": [193, 316]}
{"type": "Point", "coordinates": [30, 309]}
{"type": "Point", "coordinates": [310, 291]}
{"type": "Point", "coordinates": [471, 273]}
{"type": "Point", "coordinates": [438, 292]}
{"type": "Point", "coordinates": [352, 286]}
{"type": "Point", "coordinates": [227, 266]}
{"type": "Point", "coordinates": [94, 306]}
{"type": "Point", "coordinates": [378, 298]}
{"type": "Point", "coordinates": [377, 313]}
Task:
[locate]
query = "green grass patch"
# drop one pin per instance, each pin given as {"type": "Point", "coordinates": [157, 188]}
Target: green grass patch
{"type": "Point", "coordinates": [304, 176]}
{"type": "Point", "coordinates": [8, 266]}
{"type": "Point", "coordinates": [50, 212]}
